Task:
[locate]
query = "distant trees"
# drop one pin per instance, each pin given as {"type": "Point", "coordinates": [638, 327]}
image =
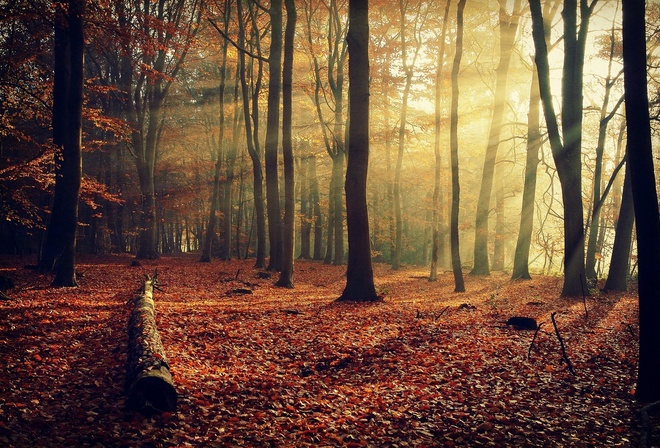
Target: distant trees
{"type": "Point", "coordinates": [176, 124]}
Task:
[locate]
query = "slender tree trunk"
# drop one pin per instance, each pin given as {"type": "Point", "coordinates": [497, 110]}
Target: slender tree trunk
{"type": "Point", "coordinates": [286, 276]}
{"type": "Point", "coordinates": [316, 206]}
{"type": "Point", "coordinates": [210, 228]}
{"type": "Point", "coordinates": [455, 184]}
{"type": "Point", "coordinates": [359, 272]}
{"type": "Point", "coordinates": [508, 29]}
{"type": "Point", "coordinates": [251, 133]}
{"type": "Point", "coordinates": [521, 257]}
{"type": "Point", "coordinates": [647, 219]}
{"type": "Point", "coordinates": [436, 218]}
{"type": "Point", "coordinates": [338, 208]}
{"type": "Point", "coordinates": [617, 278]}
{"type": "Point", "coordinates": [272, 137]}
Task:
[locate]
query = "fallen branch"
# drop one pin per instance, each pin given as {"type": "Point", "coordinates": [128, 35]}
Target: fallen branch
{"type": "Point", "coordinates": [561, 343]}
{"type": "Point", "coordinates": [529, 352]}
{"type": "Point", "coordinates": [149, 383]}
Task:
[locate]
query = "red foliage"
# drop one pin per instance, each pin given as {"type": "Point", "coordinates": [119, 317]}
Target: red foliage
{"type": "Point", "coordinates": [284, 367]}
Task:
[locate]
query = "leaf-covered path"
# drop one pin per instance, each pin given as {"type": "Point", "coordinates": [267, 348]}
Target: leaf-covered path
{"type": "Point", "coordinates": [282, 367]}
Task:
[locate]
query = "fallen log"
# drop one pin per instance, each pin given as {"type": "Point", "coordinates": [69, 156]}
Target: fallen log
{"type": "Point", "coordinates": [149, 384]}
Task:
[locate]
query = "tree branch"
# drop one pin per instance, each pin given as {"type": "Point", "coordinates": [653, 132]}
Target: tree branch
{"type": "Point", "coordinates": [235, 45]}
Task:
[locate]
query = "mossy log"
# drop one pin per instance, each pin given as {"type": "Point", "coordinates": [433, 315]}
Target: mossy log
{"type": "Point", "coordinates": [149, 384]}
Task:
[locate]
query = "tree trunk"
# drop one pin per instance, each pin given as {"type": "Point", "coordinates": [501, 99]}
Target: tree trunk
{"type": "Point", "coordinates": [316, 206]}
{"type": "Point", "coordinates": [286, 276]}
{"type": "Point", "coordinates": [617, 278]}
{"type": "Point", "coordinates": [567, 155]}
{"type": "Point", "coordinates": [60, 246]}
{"type": "Point", "coordinates": [210, 228]}
{"type": "Point", "coordinates": [272, 137]}
{"type": "Point", "coordinates": [508, 28]}
{"type": "Point", "coordinates": [436, 218]}
{"type": "Point", "coordinates": [148, 379]}
{"type": "Point", "coordinates": [359, 273]}
{"type": "Point", "coordinates": [251, 115]}
{"type": "Point", "coordinates": [306, 217]}
{"type": "Point", "coordinates": [338, 208]}
{"type": "Point", "coordinates": [647, 219]}
{"type": "Point", "coordinates": [455, 184]}
{"type": "Point", "coordinates": [521, 257]}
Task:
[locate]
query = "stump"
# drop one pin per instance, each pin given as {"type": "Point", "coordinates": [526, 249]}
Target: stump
{"type": "Point", "coordinates": [149, 383]}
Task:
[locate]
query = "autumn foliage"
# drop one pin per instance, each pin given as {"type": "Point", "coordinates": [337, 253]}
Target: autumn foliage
{"type": "Point", "coordinates": [256, 365]}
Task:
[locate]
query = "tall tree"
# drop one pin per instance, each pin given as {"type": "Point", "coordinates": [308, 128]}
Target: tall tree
{"type": "Point", "coordinates": [60, 247]}
{"type": "Point", "coordinates": [286, 275]}
{"type": "Point", "coordinates": [437, 245]}
{"type": "Point", "coordinates": [215, 191]}
{"type": "Point", "coordinates": [273, 136]}
{"type": "Point", "coordinates": [645, 198]}
{"type": "Point", "coordinates": [250, 94]}
{"type": "Point", "coordinates": [567, 146]}
{"type": "Point", "coordinates": [359, 273]}
{"type": "Point", "coordinates": [453, 137]}
{"type": "Point", "coordinates": [416, 26]}
{"type": "Point", "coordinates": [508, 29]}
{"type": "Point", "coordinates": [593, 224]}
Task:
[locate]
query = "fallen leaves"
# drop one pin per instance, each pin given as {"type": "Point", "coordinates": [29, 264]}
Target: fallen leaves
{"type": "Point", "coordinates": [281, 367]}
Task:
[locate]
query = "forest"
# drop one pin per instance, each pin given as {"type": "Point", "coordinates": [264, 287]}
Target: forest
{"type": "Point", "coordinates": [329, 223]}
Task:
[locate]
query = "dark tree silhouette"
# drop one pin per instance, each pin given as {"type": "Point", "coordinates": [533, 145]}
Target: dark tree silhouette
{"type": "Point", "coordinates": [359, 272]}
{"type": "Point", "coordinates": [60, 246]}
{"type": "Point", "coordinates": [286, 275]}
{"type": "Point", "coordinates": [647, 218]}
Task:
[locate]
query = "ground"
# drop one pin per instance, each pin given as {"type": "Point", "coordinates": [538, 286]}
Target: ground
{"type": "Point", "coordinates": [289, 367]}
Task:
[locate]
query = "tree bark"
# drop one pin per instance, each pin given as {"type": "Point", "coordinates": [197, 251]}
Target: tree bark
{"type": "Point", "coordinates": [437, 239]}
{"type": "Point", "coordinates": [647, 218]}
{"type": "Point", "coordinates": [508, 28]}
{"type": "Point", "coordinates": [286, 275]}
{"type": "Point", "coordinates": [455, 184]}
{"type": "Point", "coordinates": [359, 273]}
{"type": "Point", "coordinates": [521, 257]}
{"type": "Point", "coordinates": [566, 154]}
{"type": "Point", "coordinates": [60, 248]}
{"type": "Point", "coordinates": [617, 278]}
{"type": "Point", "coordinates": [149, 383]}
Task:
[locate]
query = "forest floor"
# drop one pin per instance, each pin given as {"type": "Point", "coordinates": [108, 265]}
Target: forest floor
{"type": "Point", "coordinates": [417, 369]}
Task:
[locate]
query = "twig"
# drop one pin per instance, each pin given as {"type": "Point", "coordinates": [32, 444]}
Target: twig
{"type": "Point", "coordinates": [529, 352]}
{"type": "Point", "coordinates": [443, 312]}
{"type": "Point", "coordinates": [561, 343]}
{"type": "Point", "coordinates": [584, 299]}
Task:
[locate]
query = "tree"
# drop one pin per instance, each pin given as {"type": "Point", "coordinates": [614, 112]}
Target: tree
{"type": "Point", "coordinates": [332, 92]}
{"type": "Point", "coordinates": [273, 136]}
{"type": "Point", "coordinates": [617, 277]}
{"type": "Point", "coordinates": [159, 28]}
{"type": "Point", "coordinates": [60, 247]}
{"type": "Point", "coordinates": [567, 147]}
{"type": "Point", "coordinates": [408, 67]}
{"type": "Point", "coordinates": [359, 273]}
{"type": "Point", "coordinates": [647, 219]}
{"type": "Point", "coordinates": [286, 275]}
{"type": "Point", "coordinates": [455, 184]}
{"type": "Point", "coordinates": [437, 245]}
{"type": "Point", "coordinates": [534, 142]}
{"type": "Point", "coordinates": [250, 94]}
{"type": "Point", "coordinates": [508, 29]}
{"type": "Point", "coordinates": [210, 228]}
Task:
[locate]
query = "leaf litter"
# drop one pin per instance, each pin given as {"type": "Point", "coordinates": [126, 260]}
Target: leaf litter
{"type": "Point", "coordinates": [289, 367]}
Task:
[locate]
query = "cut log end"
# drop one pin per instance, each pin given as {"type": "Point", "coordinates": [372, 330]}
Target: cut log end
{"type": "Point", "coordinates": [152, 392]}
